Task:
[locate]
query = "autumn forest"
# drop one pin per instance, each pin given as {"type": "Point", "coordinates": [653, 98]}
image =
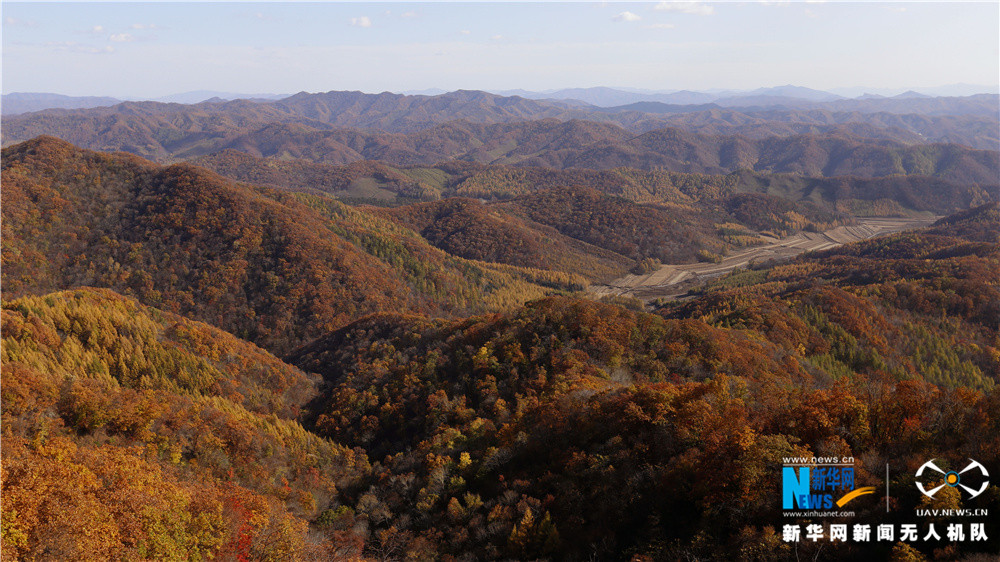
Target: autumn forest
{"type": "Point", "coordinates": [348, 326]}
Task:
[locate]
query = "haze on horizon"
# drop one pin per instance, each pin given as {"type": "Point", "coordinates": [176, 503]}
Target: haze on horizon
{"type": "Point", "coordinates": [145, 50]}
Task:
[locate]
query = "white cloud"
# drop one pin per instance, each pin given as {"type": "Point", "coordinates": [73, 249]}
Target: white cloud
{"type": "Point", "coordinates": [408, 15]}
{"type": "Point", "coordinates": [78, 47]}
{"type": "Point", "coordinates": [144, 26]}
{"type": "Point", "coordinates": [21, 23]}
{"type": "Point", "coordinates": [97, 29]}
{"type": "Point", "coordinates": [497, 37]}
{"type": "Point", "coordinates": [659, 26]}
{"type": "Point", "coordinates": [686, 7]}
{"type": "Point", "coordinates": [122, 37]}
{"type": "Point", "coordinates": [465, 32]}
{"type": "Point", "coordinates": [627, 16]}
{"type": "Point", "coordinates": [363, 21]}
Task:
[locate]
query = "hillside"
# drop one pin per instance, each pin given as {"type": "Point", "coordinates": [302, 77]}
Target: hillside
{"type": "Point", "coordinates": [129, 432]}
{"type": "Point", "coordinates": [472, 230]}
{"type": "Point", "coordinates": [377, 182]}
{"type": "Point", "coordinates": [973, 130]}
{"type": "Point", "coordinates": [636, 231]}
{"type": "Point", "coordinates": [888, 196]}
{"type": "Point", "coordinates": [584, 144]}
{"type": "Point", "coordinates": [560, 145]}
{"type": "Point", "coordinates": [396, 112]}
{"type": "Point", "coordinates": [809, 155]}
{"type": "Point", "coordinates": [253, 261]}
{"type": "Point", "coordinates": [697, 212]}
{"type": "Point", "coordinates": [149, 129]}
{"type": "Point", "coordinates": [865, 295]}
{"type": "Point", "coordinates": [361, 179]}
{"type": "Point", "coordinates": [572, 428]}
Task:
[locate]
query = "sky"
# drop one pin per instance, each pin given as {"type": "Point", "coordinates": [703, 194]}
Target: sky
{"type": "Point", "coordinates": [146, 50]}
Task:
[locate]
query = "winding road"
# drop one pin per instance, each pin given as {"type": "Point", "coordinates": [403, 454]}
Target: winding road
{"type": "Point", "coordinates": [673, 280]}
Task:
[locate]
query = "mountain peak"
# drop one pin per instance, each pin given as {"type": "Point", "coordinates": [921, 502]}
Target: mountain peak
{"type": "Point", "coordinates": [46, 142]}
{"type": "Point", "coordinates": [910, 94]}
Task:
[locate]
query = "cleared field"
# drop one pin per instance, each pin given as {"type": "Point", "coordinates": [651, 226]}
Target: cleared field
{"type": "Point", "coordinates": [674, 280]}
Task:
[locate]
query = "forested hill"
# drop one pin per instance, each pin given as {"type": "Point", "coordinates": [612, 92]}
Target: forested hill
{"type": "Point", "coordinates": [453, 409]}
{"type": "Point", "coordinates": [470, 229]}
{"type": "Point", "coordinates": [134, 433]}
{"type": "Point", "coordinates": [548, 142]}
{"type": "Point", "coordinates": [667, 430]}
{"type": "Point", "coordinates": [271, 267]}
{"type": "Point", "coordinates": [380, 183]}
{"type": "Point", "coordinates": [184, 239]}
{"type": "Point", "coordinates": [880, 291]}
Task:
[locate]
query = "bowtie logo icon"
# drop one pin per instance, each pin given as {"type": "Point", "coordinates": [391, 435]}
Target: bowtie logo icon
{"type": "Point", "coordinates": [954, 479]}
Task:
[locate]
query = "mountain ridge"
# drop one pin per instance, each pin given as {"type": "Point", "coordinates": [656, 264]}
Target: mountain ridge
{"type": "Point", "coordinates": [190, 241]}
{"type": "Point", "coordinates": [145, 130]}
{"type": "Point", "coordinates": [969, 120]}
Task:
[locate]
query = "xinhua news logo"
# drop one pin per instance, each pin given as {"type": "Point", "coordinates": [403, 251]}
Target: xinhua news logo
{"type": "Point", "coordinates": [819, 484]}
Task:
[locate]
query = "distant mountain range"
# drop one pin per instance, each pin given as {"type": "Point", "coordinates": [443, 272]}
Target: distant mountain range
{"type": "Point", "coordinates": [947, 90]}
{"type": "Point", "coordinates": [199, 96]}
{"type": "Point", "coordinates": [784, 95]}
{"type": "Point", "coordinates": [26, 102]}
{"type": "Point", "coordinates": [343, 127]}
{"type": "Point", "coordinates": [788, 96]}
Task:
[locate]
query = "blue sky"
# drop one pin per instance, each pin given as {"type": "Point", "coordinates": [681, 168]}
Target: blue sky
{"type": "Point", "coordinates": [155, 49]}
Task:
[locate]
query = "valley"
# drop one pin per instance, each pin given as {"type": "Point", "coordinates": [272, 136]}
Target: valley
{"type": "Point", "coordinates": [353, 327]}
{"type": "Point", "coordinates": [675, 281]}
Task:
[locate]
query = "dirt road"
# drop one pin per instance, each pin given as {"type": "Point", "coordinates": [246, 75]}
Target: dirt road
{"type": "Point", "coordinates": [672, 280]}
